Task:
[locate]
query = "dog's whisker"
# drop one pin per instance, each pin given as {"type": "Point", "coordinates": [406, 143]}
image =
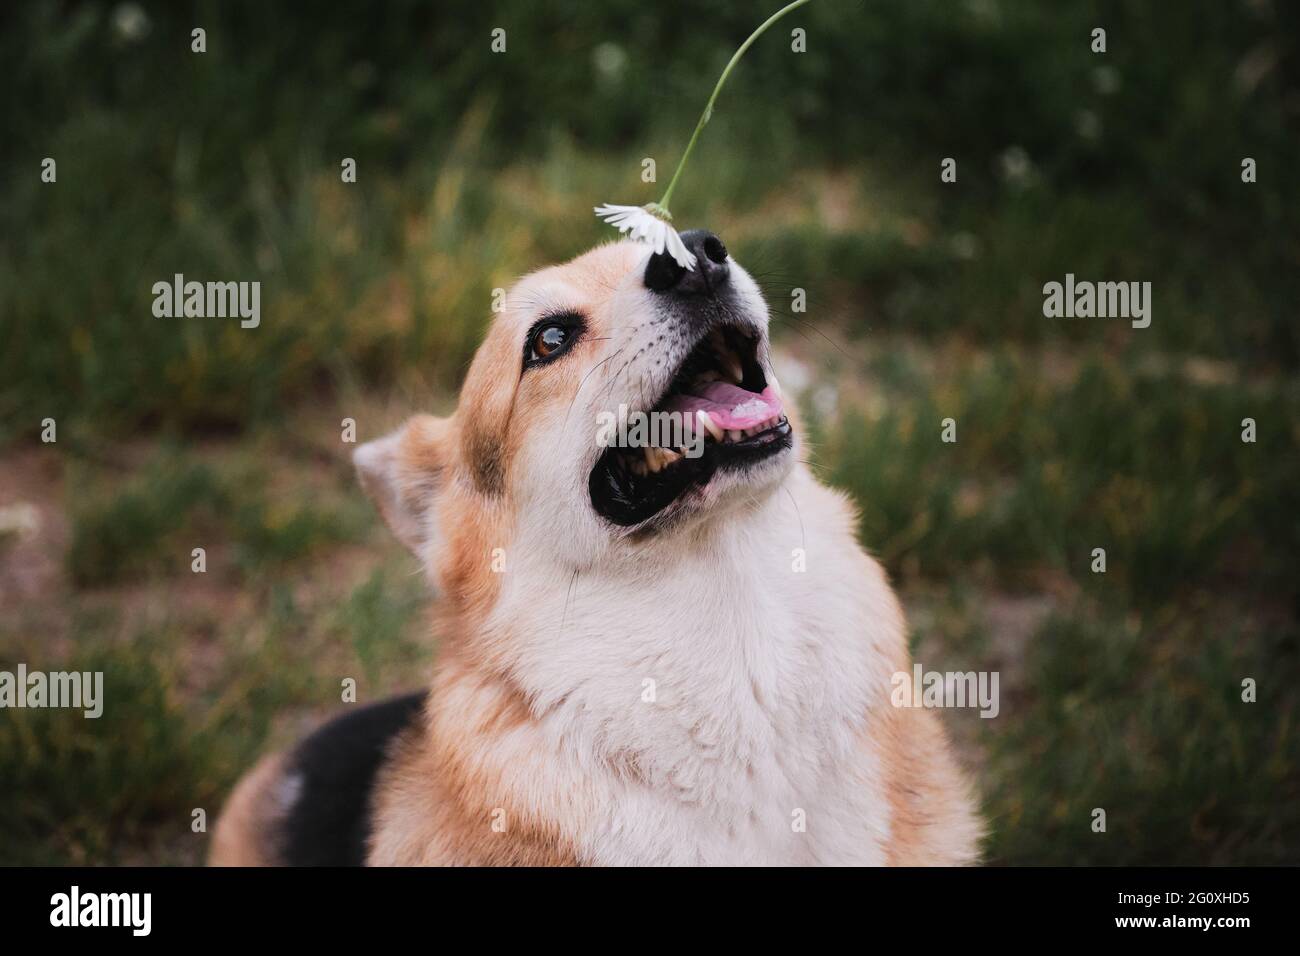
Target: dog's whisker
{"type": "Point", "coordinates": [803, 335]}
{"type": "Point", "coordinates": [584, 381]}
{"type": "Point", "coordinates": [835, 345]}
{"type": "Point", "coordinates": [564, 614]}
{"type": "Point", "coordinates": [617, 376]}
{"type": "Point", "coordinates": [803, 541]}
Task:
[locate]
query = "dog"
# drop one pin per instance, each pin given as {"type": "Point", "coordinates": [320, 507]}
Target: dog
{"type": "Point", "coordinates": [646, 657]}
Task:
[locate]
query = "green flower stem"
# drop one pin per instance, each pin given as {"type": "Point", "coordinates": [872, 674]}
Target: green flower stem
{"type": "Point", "coordinates": [708, 109]}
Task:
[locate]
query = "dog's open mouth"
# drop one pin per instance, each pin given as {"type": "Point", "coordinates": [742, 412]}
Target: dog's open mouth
{"type": "Point", "coordinates": [719, 413]}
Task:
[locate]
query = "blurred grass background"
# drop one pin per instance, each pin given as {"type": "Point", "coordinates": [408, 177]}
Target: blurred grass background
{"type": "Point", "coordinates": [820, 171]}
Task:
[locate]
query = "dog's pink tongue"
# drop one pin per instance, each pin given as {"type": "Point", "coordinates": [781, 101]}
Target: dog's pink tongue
{"type": "Point", "coordinates": [730, 406]}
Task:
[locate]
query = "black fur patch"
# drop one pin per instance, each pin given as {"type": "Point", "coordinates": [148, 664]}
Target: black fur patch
{"type": "Point", "coordinates": [329, 822]}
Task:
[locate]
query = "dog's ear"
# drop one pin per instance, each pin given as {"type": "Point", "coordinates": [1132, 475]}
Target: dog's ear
{"type": "Point", "coordinates": [404, 472]}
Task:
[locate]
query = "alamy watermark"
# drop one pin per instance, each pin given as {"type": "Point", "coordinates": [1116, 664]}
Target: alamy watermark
{"type": "Point", "coordinates": [79, 690]}
{"type": "Point", "coordinates": [197, 300]}
{"type": "Point", "coordinates": [1102, 300]}
{"type": "Point", "coordinates": [637, 429]}
{"type": "Point", "coordinates": [923, 688]}
{"type": "Point", "coordinates": [133, 911]}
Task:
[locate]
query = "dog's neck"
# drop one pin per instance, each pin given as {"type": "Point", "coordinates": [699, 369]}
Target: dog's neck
{"type": "Point", "coordinates": [731, 671]}
{"type": "Point", "coordinates": [687, 591]}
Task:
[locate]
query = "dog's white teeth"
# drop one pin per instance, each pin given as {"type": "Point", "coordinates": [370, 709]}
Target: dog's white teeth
{"type": "Point", "coordinates": [709, 425]}
{"type": "Point", "coordinates": [711, 375]}
{"type": "Point", "coordinates": [733, 435]}
{"type": "Point", "coordinates": [669, 456]}
{"type": "Point", "coordinates": [734, 371]}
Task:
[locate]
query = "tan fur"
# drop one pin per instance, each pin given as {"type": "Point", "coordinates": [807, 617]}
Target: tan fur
{"type": "Point", "coordinates": [446, 800]}
{"type": "Point", "coordinates": [242, 836]}
{"type": "Point", "coordinates": [932, 822]}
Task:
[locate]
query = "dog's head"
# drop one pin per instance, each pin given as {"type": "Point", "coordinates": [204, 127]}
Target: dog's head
{"type": "Point", "coordinates": [616, 400]}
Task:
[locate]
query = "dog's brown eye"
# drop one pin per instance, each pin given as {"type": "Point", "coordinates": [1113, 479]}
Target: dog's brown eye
{"type": "Point", "coordinates": [549, 340]}
{"type": "Point", "coordinates": [551, 337]}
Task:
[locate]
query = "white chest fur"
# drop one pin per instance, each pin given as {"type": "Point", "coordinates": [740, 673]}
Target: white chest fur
{"type": "Point", "coordinates": [718, 698]}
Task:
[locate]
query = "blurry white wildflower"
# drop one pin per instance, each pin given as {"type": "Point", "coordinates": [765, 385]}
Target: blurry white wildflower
{"type": "Point", "coordinates": [130, 22]}
{"type": "Point", "coordinates": [1105, 80]}
{"type": "Point", "coordinates": [826, 400]}
{"type": "Point", "coordinates": [652, 223]}
{"type": "Point", "coordinates": [609, 60]}
{"type": "Point", "coordinates": [1017, 167]}
{"type": "Point", "coordinates": [987, 10]}
{"type": "Point", "coordinates": [964, 245]}
{"type": "Point", "coordinates": [796, 376]}
{"type": "Point", "coordinates": [1087, 124]}
{"type": "Point", "coordinates": [21, 519]}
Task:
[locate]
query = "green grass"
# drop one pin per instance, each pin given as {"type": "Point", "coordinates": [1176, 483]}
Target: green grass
{"type": "Point", "coordinates": [172, 505]}
{"type": "Point", "coordinates": [1046, 467]}
{"type": "Point", "coordinates": [77, 789]}
{"type": "Point", "coordinates": [1143, 717]}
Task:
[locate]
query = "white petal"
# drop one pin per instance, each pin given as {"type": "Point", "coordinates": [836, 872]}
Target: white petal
{"type": "Point", "coordinates": [608, 210]}
{"type": "Point", "coordinates": [632, 219]}
{"type": "Point", "coordinates": [622, 218]}
{"type": "Point", "coordinates": [643, 226]}
{"type": "Point", "coordinates": [677, 249]}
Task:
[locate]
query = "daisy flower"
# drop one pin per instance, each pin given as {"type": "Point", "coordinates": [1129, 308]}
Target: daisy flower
{"type": "Point", "coordinates": [652, 223]}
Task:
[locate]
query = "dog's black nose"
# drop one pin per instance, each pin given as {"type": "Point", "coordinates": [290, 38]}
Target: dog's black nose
{"type": "Point", "coordinates": [711, 271]}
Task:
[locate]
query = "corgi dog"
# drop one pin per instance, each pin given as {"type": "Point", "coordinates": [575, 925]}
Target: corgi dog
{"type": "Point", "coordinates": [647, 655]}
